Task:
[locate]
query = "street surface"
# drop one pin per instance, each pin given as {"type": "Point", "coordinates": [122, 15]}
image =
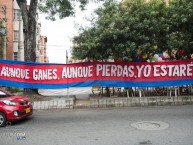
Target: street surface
{"type": "Point", "coordinates": [103, 127]}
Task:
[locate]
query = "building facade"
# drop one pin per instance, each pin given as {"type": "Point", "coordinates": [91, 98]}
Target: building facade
{"type": "Point", "coordinates": [6, 15]}
{"type": "Point", "coordinates": [18, 38]}
{"type": "Point", "coordinates": [14, 46]}
{"type": "Point", "coordinates": [42, 57]}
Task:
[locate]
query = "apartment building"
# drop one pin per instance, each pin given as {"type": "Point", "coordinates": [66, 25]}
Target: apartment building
{"type": "Point", "coordinates": [15, 37]}
{"type": "Point", "coordinates": [18, 38]}
{"type": "Point", "coordinates": [38, 41]}
{"type": "Point", "coordinates": [42, 56]}
{"type": "Point", "coordinates": [6, 12]}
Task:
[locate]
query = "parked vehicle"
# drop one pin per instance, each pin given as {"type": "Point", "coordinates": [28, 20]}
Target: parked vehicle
{"type": "Point", "coordinates": [13, 107]}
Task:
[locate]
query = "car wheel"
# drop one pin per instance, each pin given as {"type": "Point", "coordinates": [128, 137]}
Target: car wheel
{"type": "Point", "coordinates": [3, 119]}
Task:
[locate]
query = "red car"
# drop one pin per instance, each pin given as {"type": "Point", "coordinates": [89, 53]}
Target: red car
{"type": "Point", "coordinates": [13, 107]}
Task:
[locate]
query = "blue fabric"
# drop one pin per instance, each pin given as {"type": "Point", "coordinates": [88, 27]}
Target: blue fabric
{"type": "Point", "coordinates": [90, 83]}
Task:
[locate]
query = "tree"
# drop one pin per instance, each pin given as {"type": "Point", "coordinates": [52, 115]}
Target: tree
{"type": "Point", "coordinates": [96, 43]}
{"type": "Point", "coordinates": [29, 27]}
{"type": "Point", "coordinates": [134, 27]}
{"type": "Point", "coordinates": [147, 26]}
{"type": "Point", "coordinates": [63, 8]}
{"type": "Point", "coordinates": [180, 36]}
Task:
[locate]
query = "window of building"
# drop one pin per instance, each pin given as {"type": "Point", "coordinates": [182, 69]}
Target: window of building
{"type": "Point", "coordinates": [15, 55]}
{"type": "Point", "coordinates": [16, 36]}
{"type": "Point", "coordinates": [16, 14]}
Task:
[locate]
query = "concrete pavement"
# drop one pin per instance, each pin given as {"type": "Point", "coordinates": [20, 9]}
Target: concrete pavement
{"type": "Point", "coordinates": [82, 98]}
{"type": "Point", "coordinates": [104, 127]}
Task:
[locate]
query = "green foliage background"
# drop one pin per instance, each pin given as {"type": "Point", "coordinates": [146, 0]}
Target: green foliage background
{"type": "Point", "coordinates": [123, 30]}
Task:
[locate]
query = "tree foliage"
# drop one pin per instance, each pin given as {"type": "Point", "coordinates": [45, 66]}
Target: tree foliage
{"type": "Point", "coordinates": [53, 8]}
{"type": "Point", "coordinates": [180, 17]}
{"type": "Point", "coordinates": [90, 43]}
{"type": "Point", "coordinates": [60, 8]}
{"type": "Point", "coordinates": [135, 26]}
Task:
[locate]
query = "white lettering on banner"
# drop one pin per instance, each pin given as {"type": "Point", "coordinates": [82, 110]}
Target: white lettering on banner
{"type": "Point", "coordinates": [155, 72]}
{"type": "Point", "coordinates": [77, 72]}
{"type": "Point", "coordinates": [130, 71]}
{"type": "Point", "coordinates": [163, 70]}
{"type": "Point", "coordinates": [125, 71]}
{"type": "Point", "coordinates": [119, 70]}
{"type": "Point", "coordinates": [47, 74]}
{"type": "Point", "coordinates": [114, 70]}
{"type": "Point", "coordinates": [14, 72]}
{"type": "Point", "coordinates": [147, 71]}
{"type": "Point", "coordinates": [99, 68]}
{"type": "Point", "coordinates": [139, 70]}
{"type": "Point", "coordinates": [172, 70]}
{"type": "Point", "coordinates": [189, 69]}
{"type": "Point", "coordinates": [107, 70]}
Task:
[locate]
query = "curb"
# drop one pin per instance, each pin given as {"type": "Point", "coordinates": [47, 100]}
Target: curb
{"type": "Point", "coordinates": [70, 103]}
{"type": "Point", "coordinates": [143, 101]}
{"type": "Point", "coordinates": [54, 104]}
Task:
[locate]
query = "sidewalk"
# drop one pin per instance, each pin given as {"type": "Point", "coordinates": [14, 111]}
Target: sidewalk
{"type": "Point", "coordinates": [106, 102]}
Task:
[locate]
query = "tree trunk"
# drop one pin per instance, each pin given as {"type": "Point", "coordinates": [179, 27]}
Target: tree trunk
{"type": "Point", "coordinates": [30, 54]}
{"type": "Point", "coordinates": [29, 30]}
{"type": "Point", "coordinates": [29, 25]}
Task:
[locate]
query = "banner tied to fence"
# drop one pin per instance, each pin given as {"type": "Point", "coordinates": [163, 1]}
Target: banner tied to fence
{"type": "Point", "coordinates": [115, 74]}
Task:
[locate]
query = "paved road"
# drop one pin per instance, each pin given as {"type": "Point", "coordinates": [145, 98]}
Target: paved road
{"type": "Point", "coordinates": [104, 127]}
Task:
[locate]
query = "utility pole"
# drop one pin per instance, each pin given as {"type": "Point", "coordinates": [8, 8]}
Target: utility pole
{"type": "Point", "coordinates": [4, 10]}
{"type": "Point", "coordinates": [66, 56]}
{"type": "Point", "coordinates": [67, 75]}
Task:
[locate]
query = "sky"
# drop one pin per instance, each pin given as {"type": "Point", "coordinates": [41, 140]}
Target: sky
{"type": "Point", "coordinates": [60, 32]}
